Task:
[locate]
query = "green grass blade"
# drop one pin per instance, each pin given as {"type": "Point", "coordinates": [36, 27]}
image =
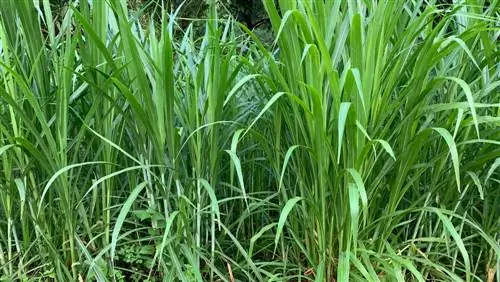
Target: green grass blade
{"type": "Point", "coordinates": [122, 215]}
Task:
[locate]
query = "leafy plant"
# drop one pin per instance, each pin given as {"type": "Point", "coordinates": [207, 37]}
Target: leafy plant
{"type": "Point", "coordinates": [360, 144]}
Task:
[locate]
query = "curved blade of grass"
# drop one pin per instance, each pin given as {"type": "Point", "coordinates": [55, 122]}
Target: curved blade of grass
{"type": "Point", "coordinates": [3, 149]}
{"type": "Point", "coordinates": [462, 44]}
{"type": "Point", "coordinates": [361, 190]}
{"type": "Point", "coordinates": [361, 268]}
{"type": "Point", "coordinates": [492, 169]}
{"type": "Point", "coordinates": [288, 154]}
{"type": "Point", "coordinates": [404, 262]}
{"type": "Point", "coordinates": [258, 235]}
{"type": "Point", "coordinates": [359, 86]}
{"type": "Point", "coordinates": [239, 172]}
{"type": "Point", "coordinates": [57, 174]}
{"type": "Point", "coordinates": [283, 216]}
{"type": "Point", "coordinates": [198, 129]}
{"type": "Point", "coordinates": [453, 151]}
{"type": "Point", "coordinates": [176, 263]}
{"type": "Point", "coordinates": [458, 240]}
{"type": "Point", "coordinates": [266, 107]}
{"type": "Point", "coordinates": [123, 214]}
{"type": "Point", "coordinates": [363, 130]}
{"type": "Point", "coordinates": [214, 203]}
{"type": "Point", "coordinates": [235, 140]}
{"type": "Point", "coordinates": [386, 147]}
{"type": "Point", "coordinates": [245, 255]}
{"type": "Point", "coordinates": [476, 181]}
{"type": "Point", "coordinates": [470, 99]}
{"type": "Point", "coordinates": [113, 145]}
{"type": "Point", "coordinates": [93, 268]}
{"type": "Point", "coordinates": [460, 116]}
{"type": "Point", "coordinates": [238, 85]}
{"type": "Point", "coordinates": [166, 232]}
{"type": "Point", "coordinates": [104, 178]}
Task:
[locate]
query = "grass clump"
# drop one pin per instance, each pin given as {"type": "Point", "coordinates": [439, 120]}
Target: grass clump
{"type": "Point", "coordinates": [363, 145]}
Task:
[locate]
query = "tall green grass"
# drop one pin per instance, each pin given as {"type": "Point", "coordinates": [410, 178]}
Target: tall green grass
{"type": "Point", "coordinates": [363, 146]}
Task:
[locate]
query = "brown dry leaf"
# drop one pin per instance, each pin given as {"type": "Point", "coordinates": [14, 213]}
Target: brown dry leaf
{"type": "Point", "coordinates": [310, 271]}
{"type": "Point", "coordinates": [491, 275]}
{"type": "Point", "coordinates": [231, 277]}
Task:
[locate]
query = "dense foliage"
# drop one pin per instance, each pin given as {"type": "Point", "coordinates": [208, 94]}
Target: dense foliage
{"type": "Point", "coordinates": [362, 144]}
